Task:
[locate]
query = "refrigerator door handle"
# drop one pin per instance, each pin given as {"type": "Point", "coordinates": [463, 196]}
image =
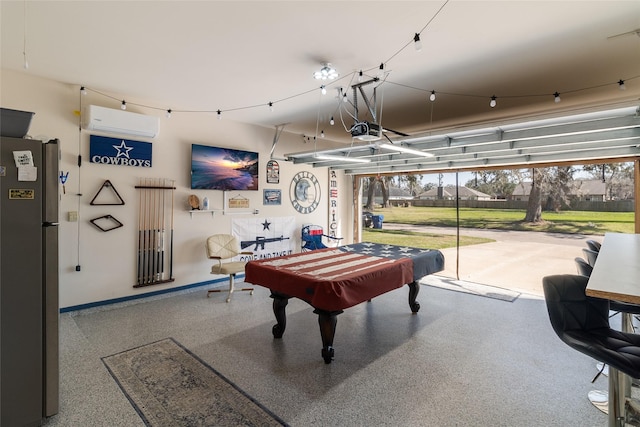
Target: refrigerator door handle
{"type": "Point", "coordinates": [50, 224]}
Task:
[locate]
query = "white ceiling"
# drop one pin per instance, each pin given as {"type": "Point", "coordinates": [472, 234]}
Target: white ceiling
{"type": "Point", "coordinates": [237, 56]}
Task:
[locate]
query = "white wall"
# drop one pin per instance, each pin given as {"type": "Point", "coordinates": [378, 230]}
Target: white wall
{"type": "Point", "coordinates": [108, 259]}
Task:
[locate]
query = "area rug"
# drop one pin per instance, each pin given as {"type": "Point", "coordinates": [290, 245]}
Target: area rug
{"type": "Point", "coordinates": [170, 386]}
{"type": "Point", "coordinates": [470, 288]}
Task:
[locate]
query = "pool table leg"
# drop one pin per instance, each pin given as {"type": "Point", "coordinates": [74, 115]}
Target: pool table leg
{"type": "Point", "coordinates": [327, 321]}
{"type": "Point", "coordinates": [279, 304]}
{"type": "Point", "coordinates": [414, 288]}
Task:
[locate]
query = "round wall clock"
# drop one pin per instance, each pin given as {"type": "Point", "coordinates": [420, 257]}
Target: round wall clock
{"type": "Point", "coordinates": [304, 192]}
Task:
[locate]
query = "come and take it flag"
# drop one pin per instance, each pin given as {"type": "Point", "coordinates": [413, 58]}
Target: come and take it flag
{"type": "Point", "coordinates": [266, 237]}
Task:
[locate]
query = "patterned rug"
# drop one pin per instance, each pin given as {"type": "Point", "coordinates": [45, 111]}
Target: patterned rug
{"type": "Point", "coordinates": [470, 288]}
{"type": "Point", "coordinates": [170, 386]}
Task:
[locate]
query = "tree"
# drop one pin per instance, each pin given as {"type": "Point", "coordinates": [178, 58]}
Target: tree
{"type": "Point", "coordinates": [371, 188]}
{"type": "Point", "coordinates": [618, 178]}
{"type": "Point", "coordinates": [534, 204]}
{"type": "Point", "coordinates": [411, 183]}
{"type": "Point", "coordinates": [371, 185]}
{"type": "Point", "coordinates": [496, 183]}
{"type": "Point", "coordinates": [384, 186]}
{"type": "Point", "coordinates": [553, 185]}
{"type": "Point", "coordinates": [559, 189]}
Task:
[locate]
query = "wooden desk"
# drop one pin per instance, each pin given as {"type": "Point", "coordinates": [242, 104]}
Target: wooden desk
{"type": "Point", "coordinates": [616, 276]}
{"type": "Point", "coordinates": [334, 279]}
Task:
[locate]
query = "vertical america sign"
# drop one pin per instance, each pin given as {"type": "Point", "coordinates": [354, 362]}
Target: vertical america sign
{"type": "Point", "coordinates": [121, 152]}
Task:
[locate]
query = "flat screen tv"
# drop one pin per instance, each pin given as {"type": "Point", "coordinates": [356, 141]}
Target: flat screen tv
{"type": "Point", "coordinates": [216, 168]}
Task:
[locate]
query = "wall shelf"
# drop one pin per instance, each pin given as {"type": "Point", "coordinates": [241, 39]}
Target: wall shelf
{"type": "Point", "coordinates": [239, 210]}
{"type": "Point", "coordinates": [213, 212]}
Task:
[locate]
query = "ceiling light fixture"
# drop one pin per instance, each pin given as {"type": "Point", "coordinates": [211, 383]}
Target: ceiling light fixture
{"type": "Point", "coordinates": [123, 106]}
{"type": "Point", "coordinates": [331, 121]}
{"type": "Point", "coordinates": [621, 85]}
{"type": "Point", "coordinates": [556, 97]}
{"type": "Point", "coordinates": [341, 158]}
{"type": "Point", "coordinates": [417, 43]}
{"type": "Point", "coordinates": [493, 102]}
{"type": "Point", "coordinates": [83, 90]}
{"type": "Point", "coordinates": [326, 72]}
{"type": "Point", "coordinates": [403, 149]}
{"type": "Point", "coordinates": [432, 97]}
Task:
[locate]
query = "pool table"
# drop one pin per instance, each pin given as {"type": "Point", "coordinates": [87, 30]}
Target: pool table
{"type": "Point", "coordinates": [334, 279]}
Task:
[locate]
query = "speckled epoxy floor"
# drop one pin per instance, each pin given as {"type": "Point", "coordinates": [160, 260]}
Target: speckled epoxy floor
{"type": "Point", "coordinates": [463, 360]}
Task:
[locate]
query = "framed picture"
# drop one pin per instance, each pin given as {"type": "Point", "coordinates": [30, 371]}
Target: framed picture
{"type": "Point", "coordinates": [272, 197]}
{"type": "Point", "coordinates": [273, 172]}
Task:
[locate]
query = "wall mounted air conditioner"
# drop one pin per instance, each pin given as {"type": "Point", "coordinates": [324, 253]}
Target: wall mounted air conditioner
{"type": "Point", "coordinates": [120, 122]}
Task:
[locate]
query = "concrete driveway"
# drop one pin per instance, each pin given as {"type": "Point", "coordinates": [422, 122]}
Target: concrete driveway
{"type": "Point", "coordinates": [517, 260]}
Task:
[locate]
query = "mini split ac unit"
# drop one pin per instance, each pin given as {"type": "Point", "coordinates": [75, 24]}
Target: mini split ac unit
{"type": "Point", "coordinates": [109, 120]}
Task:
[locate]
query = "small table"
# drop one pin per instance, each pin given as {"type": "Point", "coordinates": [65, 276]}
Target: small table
{"type": "Point", "coordinates": [616, 276]}
{"type": "Point", "coordinates": [333, 279]}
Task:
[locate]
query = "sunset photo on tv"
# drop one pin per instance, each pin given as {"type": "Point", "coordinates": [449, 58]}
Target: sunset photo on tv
{"type": "Point", "coordinates": [216, 168]}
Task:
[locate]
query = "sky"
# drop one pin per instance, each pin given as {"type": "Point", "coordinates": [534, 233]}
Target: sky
{"type": "Point", "coordinates": [448, 178]}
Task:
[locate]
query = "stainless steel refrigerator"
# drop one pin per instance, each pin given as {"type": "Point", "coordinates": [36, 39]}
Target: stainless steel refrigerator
{"type": "Point", "coordinates": [29, 307]}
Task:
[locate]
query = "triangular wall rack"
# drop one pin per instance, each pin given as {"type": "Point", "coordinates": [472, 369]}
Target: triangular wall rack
{"type": "Point", "coordinates": [107, 184]}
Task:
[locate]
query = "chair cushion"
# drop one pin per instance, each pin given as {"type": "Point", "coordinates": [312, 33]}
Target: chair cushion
{"type": "Point", "coordinates": [222, 246]}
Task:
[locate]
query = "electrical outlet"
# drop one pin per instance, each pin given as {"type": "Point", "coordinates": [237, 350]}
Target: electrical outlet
{"type": "Point", "coordinates": [72, 216]}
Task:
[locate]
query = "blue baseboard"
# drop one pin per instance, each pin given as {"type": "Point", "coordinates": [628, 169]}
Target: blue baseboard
{"type": "Point", "coordinates": [140, 296]}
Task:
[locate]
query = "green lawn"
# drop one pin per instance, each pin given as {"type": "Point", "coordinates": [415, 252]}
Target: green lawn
{"type": "Point", "coordinates": [570, 222]}
{"type": "Point", "coordinates": [418, 240]}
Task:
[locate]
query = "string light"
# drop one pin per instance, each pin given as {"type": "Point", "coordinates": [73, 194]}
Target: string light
{"type": "Point", "coordinates": [323, 89]}
{"type": "Point", "coordinates": [322, 134]}
{"type": "Point", "coordinates": [168, 113]}
{"type": "Point", "coordinates": [621, 84]}
{"type": "Point", "coordinates": [360, 77]}
{"type": "Point", "coordinates": [556, 97]}
{"type": "Point", "coordinates": [417, 43]}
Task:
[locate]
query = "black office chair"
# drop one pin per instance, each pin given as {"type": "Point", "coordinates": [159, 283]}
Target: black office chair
{"type": "Point", "coordinates": [584, 269]}
{"type": "Point", "coordinates": [590, 255]}
{"type": "Point", "coordinates": [582, 323]}
{"type": "Point", "coordinates": [593, 245]}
